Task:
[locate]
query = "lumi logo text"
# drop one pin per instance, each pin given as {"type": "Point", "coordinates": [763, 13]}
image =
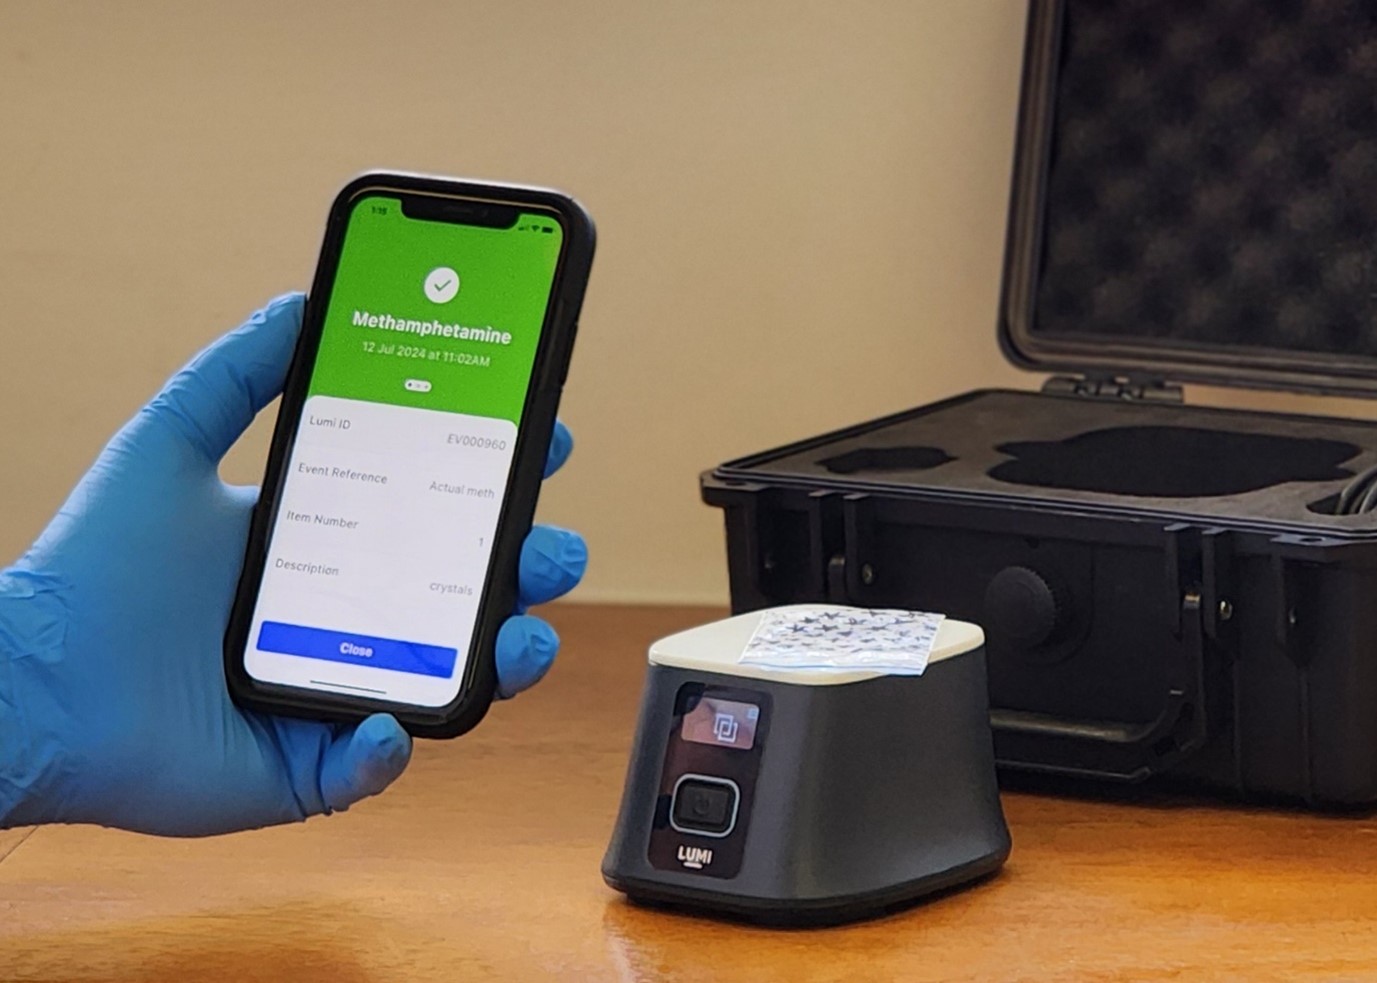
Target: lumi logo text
{"type": "Point", "coordinates": [695, 857]}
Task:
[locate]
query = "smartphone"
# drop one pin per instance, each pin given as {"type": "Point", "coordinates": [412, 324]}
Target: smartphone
{"type": "Point", "coordinates": [408, 452]}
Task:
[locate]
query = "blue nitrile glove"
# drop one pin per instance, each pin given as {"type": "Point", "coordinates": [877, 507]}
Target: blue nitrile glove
{"type": "Point", "coordinates": [113, 704]}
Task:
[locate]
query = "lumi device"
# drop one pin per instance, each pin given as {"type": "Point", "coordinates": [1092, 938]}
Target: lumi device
{"type": "Point", "coordinates": [796, 796]}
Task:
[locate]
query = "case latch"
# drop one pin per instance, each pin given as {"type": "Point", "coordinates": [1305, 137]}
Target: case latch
{"type": "Point", "coordinates": [1114, 387]}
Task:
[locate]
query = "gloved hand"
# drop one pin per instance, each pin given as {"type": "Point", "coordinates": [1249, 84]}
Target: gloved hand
{"type": "Point", "coordinates": [113, 703]}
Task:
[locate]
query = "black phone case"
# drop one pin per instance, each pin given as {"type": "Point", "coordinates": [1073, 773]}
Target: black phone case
{"type": "Point", "coordinates": [500, 589]}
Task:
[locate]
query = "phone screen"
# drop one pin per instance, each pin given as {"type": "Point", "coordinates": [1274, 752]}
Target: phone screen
{"type": "Point", "coordinates": [390, 498]}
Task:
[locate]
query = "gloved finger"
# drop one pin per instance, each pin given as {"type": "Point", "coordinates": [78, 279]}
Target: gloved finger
{"type": "Point", "coordinates": [214, 398]}
{"type": "Point", "coordinates": [526, 648]}
{"type": "Point", "coordinates": [561, 446]}
{"type": "Point", "coordinates": [363, 760]}
{"type": "Point", "coordinates": [552, 563]}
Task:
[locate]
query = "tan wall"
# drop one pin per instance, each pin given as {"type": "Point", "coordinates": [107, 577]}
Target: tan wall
{"type": "Point", "coordinates": [801, 210]}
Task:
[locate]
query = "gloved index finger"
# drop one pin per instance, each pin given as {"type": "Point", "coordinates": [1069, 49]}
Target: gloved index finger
{"type": "Point", "coordinates": [215, 397]}
{"type": "Point", "coordinates": [552, 563]}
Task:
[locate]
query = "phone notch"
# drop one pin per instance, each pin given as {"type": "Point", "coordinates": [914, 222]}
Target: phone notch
{"type": "Point", "coordinates": [460, 211]}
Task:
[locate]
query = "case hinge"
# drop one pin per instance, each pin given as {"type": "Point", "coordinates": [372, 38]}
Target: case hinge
{"type": "Point", "coordinates": [1114, 387]}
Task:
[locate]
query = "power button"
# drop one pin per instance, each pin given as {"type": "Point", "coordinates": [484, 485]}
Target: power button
{"type": "Point", "coordinates": [568, 352]}
{"type": "Point", "coordinates": [704, 805]}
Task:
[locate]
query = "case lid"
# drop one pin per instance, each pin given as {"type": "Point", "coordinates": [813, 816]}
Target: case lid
{"type": "Point", "coordinates": [1195, 193]}
{"type": "Point", "coordinates": [716, 647]}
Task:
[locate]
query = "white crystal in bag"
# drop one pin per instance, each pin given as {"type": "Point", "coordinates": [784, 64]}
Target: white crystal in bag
{"type": "Point", "coordinates": [882, 640]}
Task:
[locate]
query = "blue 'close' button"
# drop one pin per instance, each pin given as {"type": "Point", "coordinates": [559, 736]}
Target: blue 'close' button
{"type": "Point", "coordinates": [358, 650]}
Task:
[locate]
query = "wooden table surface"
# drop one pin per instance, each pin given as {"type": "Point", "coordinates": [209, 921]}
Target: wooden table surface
{"type": "Point", "coordinates": [482, 863]}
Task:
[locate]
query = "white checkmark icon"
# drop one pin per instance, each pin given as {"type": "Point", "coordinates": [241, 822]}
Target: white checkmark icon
{"type": "Point", "coordinates": [441, 285]}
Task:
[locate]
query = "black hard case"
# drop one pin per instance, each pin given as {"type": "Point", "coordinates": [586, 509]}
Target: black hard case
{"type": "Point", "coordinates": [1166, 590]}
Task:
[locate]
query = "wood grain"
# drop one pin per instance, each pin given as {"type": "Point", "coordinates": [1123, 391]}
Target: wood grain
{"type": "Point", "coordinates": [482, 864]}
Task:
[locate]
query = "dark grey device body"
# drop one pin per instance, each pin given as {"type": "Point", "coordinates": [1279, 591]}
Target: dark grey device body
{"type": "Point", "coordinates": [855, 798]}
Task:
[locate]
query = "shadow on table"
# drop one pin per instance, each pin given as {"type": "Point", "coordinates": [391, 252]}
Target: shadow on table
{"type": "Point", "coordinates": [300, 943]}
{"type": "Point", "coordinates": [649, 943]}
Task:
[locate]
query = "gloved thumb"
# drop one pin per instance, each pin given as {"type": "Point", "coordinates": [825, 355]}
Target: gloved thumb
{"type": "Point", "coordinates": [363, 760]}
{"type": "Point", "coordinates": [215, 397]}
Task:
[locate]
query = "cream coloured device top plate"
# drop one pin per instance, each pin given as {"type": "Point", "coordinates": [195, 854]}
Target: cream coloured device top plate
{"type": "Point", "coordinates": [717, 647]}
